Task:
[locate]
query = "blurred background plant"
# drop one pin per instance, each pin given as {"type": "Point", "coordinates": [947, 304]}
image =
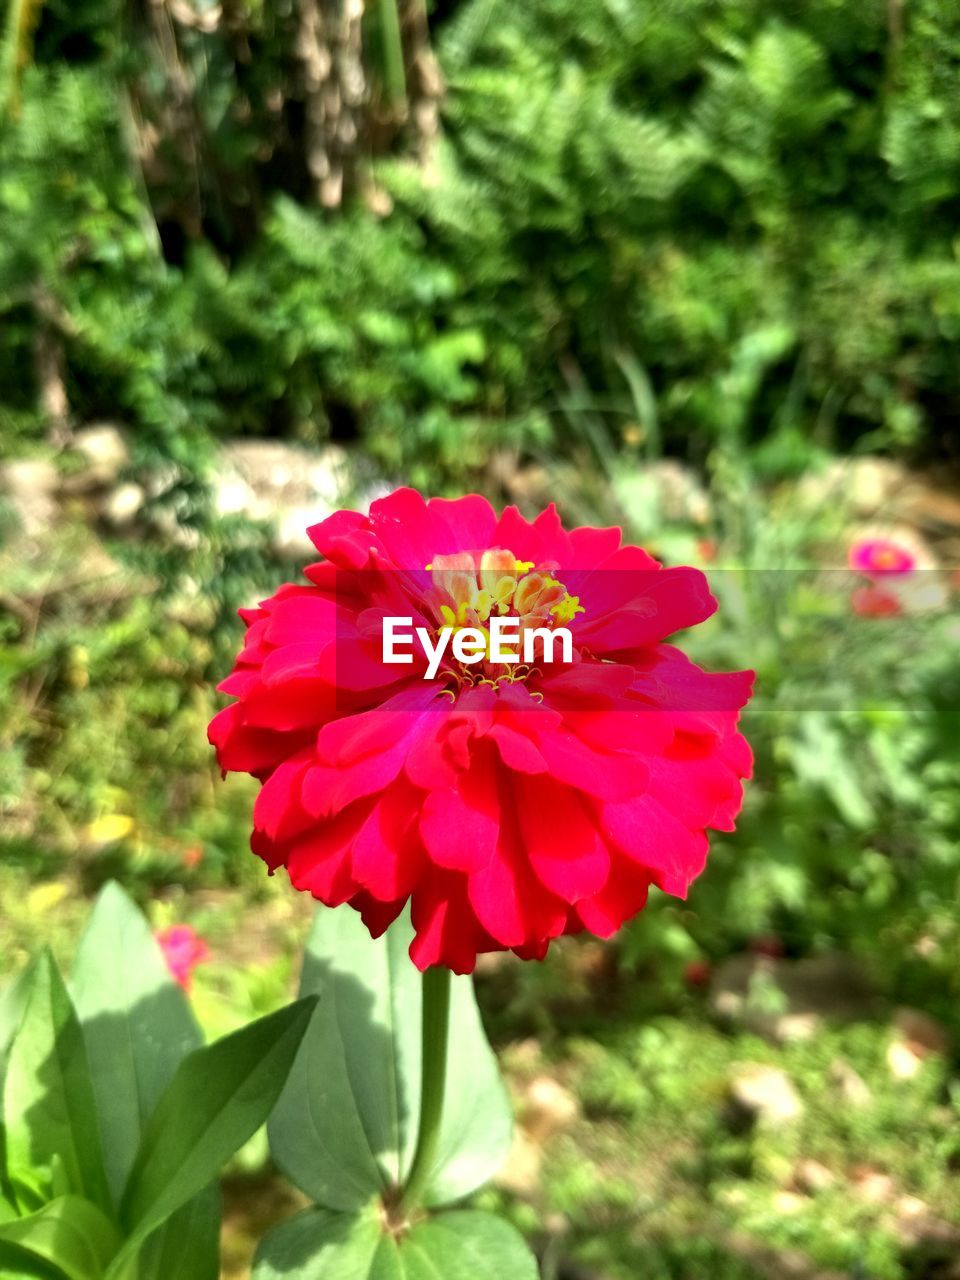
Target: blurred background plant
{"type": "Point", "coordinates": [685, 265]}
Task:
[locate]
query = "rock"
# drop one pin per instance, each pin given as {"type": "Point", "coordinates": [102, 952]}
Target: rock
{"type": "Point", "coordinates": [29, 476]}
{"type": "Point", "coordinates": [917, 1226]}
{"type": "Point", "coordinates": [520, 1173]}
{"type": "Point", "coordinates": [290, 537]}
{"type": "Point", "coordinates": [872, 1185]}
{"type": "Point", "coordinates": [547, 1108]}
{"type": "Point", "coordinates": [788, 1202]}
{"type": "Point", "coordinates": [917, 1037]}
{"type": "Point", "coordinates": [922, 593]}
{"type": "Point", "coordinates": [812, 1177]}
{"type": "Point", "coordinates": [528, 484]}
{"type": "Point", "coordinates": [161, 479]}
{"type": "Point", "coordinates": [765, 1095]}
{"type": "Point", "coordinates": [105, 454]}
{"type": "Point", "coordinates": [851, 1085]}
{"type": "Point", "coordinates": [903, 1063]}
{"type": "Point", "coordinates": [122, 505]}
{"type": "Point", "coordinates": [492, 962]}
{"type": "Point", "coordinates": [863, 486]}
{"type": "Point", "coordinates": [931, 506]}
{"type": "Point", "coordinates": [790, 999]}
{"type": "Point", "coordinates": [370, 493]}
{"type": "Point", "coordinates": [923, 1034]}
{"type": "Point", "coordinates": [523, 1057]}
{"type": "Point", "coordinates": [660, 491]}
{"type": "Point", "coordinates": [232, 495]}
{"type": "Point", "coordinates": [167, 523]}
{"type": "Point", "coordinates": [30, 486]}
{"type": "Point", "coordinates": [912, 1207]}
{"type": "Point", "coordinates": [286, 484]}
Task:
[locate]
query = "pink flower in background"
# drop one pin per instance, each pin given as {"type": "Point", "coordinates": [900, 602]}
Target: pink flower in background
{"type": "Point", "coordinates": [876, 557]}
{"type": "Point", "coordinates": [183, 949]}
{"type": "Point", "coordinates": [874, 602]}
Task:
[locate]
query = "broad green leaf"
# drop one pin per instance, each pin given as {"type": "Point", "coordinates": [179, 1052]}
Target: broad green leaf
{"type": "Point", "coordinates": [219, 1096]}
{"type": "Point", "coordinates": [136, 1022]}
{"type": "Point", "coordinates": [17, 1264]}
{"type": "Point", "coordinates": [70, 1233]}
{"type": "Point", "coordinates": [187, 1246]}
{"type": "Point", "coordinates": [466, 1245]}
{"type": "Point", "coordinates": [48, 1102]}
{"type": "Point", "coordinates": [345, 1127]}
{"type": "Point", "coordinates": [13, 1002]}
{"type": "Point", "coordinates": [30, 1189]}
{"type": "Point", "coordinates": [321, 1245]}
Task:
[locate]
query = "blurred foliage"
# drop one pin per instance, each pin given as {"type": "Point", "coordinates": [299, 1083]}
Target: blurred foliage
{"type": "Point", "coordinates": [656, 1144]}
{"type": "Point", "coordinates": [695, 221]}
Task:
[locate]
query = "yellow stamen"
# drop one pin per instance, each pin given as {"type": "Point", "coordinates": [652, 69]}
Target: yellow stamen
{"type": "Point", "coordinates": [497, 582]}
{"type": "Point", "coordinates": [566, 610]}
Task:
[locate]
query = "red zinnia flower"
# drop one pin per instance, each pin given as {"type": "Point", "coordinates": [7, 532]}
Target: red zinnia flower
{"type": "Point", "coordinates": [183, 949]}
{"type": "Point", "coordinates": [510, 804]}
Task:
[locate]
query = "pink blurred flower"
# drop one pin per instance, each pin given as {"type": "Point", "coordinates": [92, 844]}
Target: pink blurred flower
{"type": "Point", "coordinates": [876, 557]}
{"type": "Point", "coordinates": [874, 602]}
{"type": "Point", "coordinates": [183, 949]}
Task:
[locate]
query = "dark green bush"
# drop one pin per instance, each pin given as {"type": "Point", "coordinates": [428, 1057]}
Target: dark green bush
{"type": "Point", "coordinates": [698, 220]}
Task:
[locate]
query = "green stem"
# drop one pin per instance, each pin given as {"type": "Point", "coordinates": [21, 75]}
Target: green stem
{"type": "Point", "coordinates": [394, 72]}
{"type": "Point", "coordinates": [434, 1036]}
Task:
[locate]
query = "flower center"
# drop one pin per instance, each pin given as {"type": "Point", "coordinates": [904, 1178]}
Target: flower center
{"type": "Point", "coordinates": [470, 588]}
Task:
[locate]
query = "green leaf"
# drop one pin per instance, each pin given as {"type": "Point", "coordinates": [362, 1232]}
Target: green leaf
{"type": "Point", "coordinates": [321, 1245]}
{"type": "Point", "coordinates": [15, 1264]}
{"type": "Point", "coordinates": [466, 1245]}
{"type": "Point", "coordinates": [70, 1232]}
{"type": "Point", "coordinates": [136, 1022]}
{"type": "Point", "coordinates": [48, 1103]}
{"type": "Point", "coordinates": [187, 1246]}
{"type": "Point", "coordinates": [345, 1127]}
{"type": "Point", "coordinates": [13, 1002]}
{"type": "Point", "coordinates": [218, 1098]}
